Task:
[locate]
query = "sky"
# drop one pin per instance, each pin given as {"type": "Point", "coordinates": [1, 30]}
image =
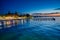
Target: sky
{"type": "Point", "coordinates": [29, 6]}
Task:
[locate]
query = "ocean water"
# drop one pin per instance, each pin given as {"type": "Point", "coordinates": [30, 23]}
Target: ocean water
{"type": "Point", "coordinates": [30, 29]}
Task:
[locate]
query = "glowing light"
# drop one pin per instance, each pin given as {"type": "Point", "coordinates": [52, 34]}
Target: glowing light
{"type": "Point", "coordinates": [8, 22]}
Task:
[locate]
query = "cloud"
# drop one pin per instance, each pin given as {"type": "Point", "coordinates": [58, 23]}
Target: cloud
{"type": "Point", "coordinates": [57, 9]}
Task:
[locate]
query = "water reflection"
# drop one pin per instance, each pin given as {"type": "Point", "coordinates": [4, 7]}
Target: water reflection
{"type": "Point", "coordinates": [10, 23]}
{"type": "Point", "coordinates": [33, 29]}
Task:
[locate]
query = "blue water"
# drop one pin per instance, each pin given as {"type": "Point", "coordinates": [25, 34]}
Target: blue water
{"type": "Point", "coordinates": [29, 29]}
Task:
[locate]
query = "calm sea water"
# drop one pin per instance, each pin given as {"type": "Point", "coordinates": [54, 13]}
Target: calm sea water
{"type": "Point", "coordinates": [30, 29]}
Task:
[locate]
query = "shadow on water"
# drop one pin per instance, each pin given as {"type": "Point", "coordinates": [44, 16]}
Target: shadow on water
{"type": "Point", "coordinates": [30, 29]}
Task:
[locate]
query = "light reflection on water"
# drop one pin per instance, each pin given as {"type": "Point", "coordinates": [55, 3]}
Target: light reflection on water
{"type": "Point", "coordinates": [30, 29]}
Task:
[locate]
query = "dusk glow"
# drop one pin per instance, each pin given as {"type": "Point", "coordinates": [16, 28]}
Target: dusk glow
{"type": "Point", "coordinates": [45, 11]}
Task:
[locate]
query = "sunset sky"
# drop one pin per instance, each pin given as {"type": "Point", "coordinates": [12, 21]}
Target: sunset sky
{"type": "Point", "coordinates": [29, 6]}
